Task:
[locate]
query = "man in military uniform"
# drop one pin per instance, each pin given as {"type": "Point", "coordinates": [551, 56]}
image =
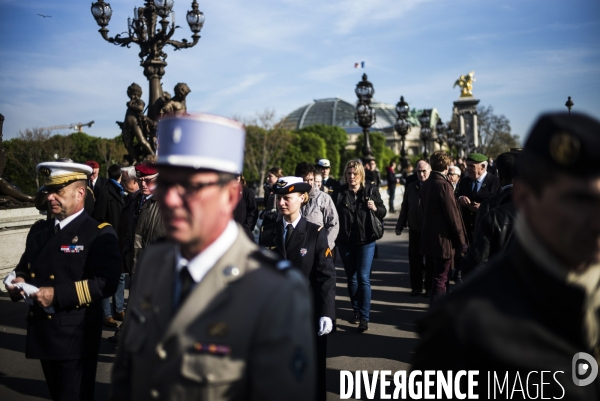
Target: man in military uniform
{"type": "Point", "coordinates": [329, 183]}
{"type": "Point", "coordinates": [211, 316]}
{"type": "Point", "coordinates": [74, 263]}
{"type": "Point", "coordinates": [535, 308]}
{"type": "Point", "coordinates": [478, 186]}
{"type": "Point", "coordinates": [305, 244]}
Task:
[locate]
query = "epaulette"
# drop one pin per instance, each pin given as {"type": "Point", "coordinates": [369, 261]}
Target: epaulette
{"type": "Point", "coordinates": [101, 226]}
{"type": "Point", "coordinates": [320, 228]}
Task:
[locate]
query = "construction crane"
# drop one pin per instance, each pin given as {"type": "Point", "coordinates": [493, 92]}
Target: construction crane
{"type": "Point", "coordinates": [69, 126]}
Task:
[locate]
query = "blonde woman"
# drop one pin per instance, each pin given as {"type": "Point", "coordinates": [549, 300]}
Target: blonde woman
{"type": "Point", "coordinates": [356, 242]}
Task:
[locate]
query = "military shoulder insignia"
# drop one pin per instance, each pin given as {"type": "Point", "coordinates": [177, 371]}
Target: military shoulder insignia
{"type": "Point", "coordinates": [564, 148]}
{"type": "Point", "coordinates": [101, 226]}
{"type": "Point", "coordinates": [328, 253]}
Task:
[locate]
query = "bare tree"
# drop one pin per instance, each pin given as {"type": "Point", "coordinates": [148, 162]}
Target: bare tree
{"type": "Point", "coordinates": [266, 142]}
{"type": "Point", "coordinates": [495, 131]}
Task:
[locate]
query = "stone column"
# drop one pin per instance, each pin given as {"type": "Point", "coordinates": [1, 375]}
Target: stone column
{"type": "Point", "coordinates": [466, 111]}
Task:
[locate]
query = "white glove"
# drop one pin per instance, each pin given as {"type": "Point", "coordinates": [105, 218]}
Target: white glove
{"type": "Point", "coordinates": [325, 326]}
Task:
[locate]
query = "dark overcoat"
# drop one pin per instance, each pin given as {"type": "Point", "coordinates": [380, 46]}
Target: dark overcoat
{"type": "Point", "coordinates": [443, 229]}
{"type": "Point", "coordinates": [109, 205]}
{"type": "Point", "coordinates": [511, 316]}
{"type": "Point", "coordinates": [489, 188]}
{"type": "Point", "coordinates": [81, 279]}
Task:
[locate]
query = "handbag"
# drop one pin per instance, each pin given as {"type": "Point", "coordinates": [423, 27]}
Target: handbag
{"type": "Point", "coordinates": [375, 224]}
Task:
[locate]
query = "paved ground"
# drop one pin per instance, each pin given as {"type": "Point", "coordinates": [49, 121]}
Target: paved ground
{"type": "Point", "coordinates": [387, 345]}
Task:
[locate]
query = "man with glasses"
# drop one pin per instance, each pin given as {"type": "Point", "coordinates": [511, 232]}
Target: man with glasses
{"type": "Point", "coordinates": [144, 222]}
{"type": "Point", "coordinates": [454, 176]}
{"type": "Point", "coordinates": [211, 316]}
{"type": "Point", "coordinates": [71, 262]}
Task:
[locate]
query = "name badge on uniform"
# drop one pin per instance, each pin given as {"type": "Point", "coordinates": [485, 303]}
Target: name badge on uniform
{"type": "Point", "coordinates": [303, 251]}
{"type": "Point", "coordinates": [71, 248]}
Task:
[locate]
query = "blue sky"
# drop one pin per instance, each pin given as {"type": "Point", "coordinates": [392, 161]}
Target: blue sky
{"type": "Point", "coordinates": [528, 56]}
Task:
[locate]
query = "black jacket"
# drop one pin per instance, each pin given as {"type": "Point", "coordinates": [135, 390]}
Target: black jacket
{"type": "Point", "coordinates": [331, 183]}
{"type": "Point", "coordinates": [489, 188]}
{"type": "Point", "coordinates": [493, 235]}
{"type": "Point", "coordinates": [81, 278]}
{"type": "Point", "coordinates": [109, 205]}
{"type": "Point", "coordinates": [100, 183]}
{"type": "Point", "coordinates": [373, 177]}
{"type": "Point", "coordinates": [411, 213]}
{"type": "Point", "coordinates": [502, 197]}
{"type": "Point", "coordinates": [246, 212]}
{"type": "Point", "coordinates": [307, 250]}
{"type": "Point", "coordinates": [512, 317]}
{"type": "Point", "coordinates": [353, 212]}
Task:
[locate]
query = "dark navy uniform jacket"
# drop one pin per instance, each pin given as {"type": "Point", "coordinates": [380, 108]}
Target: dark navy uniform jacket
{"type": "Point", "coordinates": [82, 263]}
{"type": "Point", "coordinates": [307, 250]}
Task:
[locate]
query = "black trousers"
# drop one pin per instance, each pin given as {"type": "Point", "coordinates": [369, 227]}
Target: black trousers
{"type": "Point", "coordinates": [71, 379]}
{"type": "Point", "coordinates": [418, 268]}
{"type": "Point", "coordinates": [392, 192]}
{"type": "Point", "coordinates": [322, 367]}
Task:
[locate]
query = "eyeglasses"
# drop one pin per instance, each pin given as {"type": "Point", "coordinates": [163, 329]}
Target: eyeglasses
{"type": "Point", "coordinates": [146, 180]}
{"type": "Point", "coordinates": [184, 190]}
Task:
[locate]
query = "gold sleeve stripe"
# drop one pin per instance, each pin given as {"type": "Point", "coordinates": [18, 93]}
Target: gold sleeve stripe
{"type": "Point", "coordinates": [87, 291]}
{"type": "Point", "coordinates": [79, 292]}
{"type": "Point", "coordinates": [101, 226]}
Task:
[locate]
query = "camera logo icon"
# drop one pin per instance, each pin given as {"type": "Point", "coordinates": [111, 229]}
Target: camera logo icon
{"type": "Point", "coordinates": [584, 365]}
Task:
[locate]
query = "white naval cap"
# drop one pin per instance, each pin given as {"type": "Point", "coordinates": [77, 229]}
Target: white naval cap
{"type": "Point", "coordinates": [324, 163]}
{"type": "Point", "coordinates": [287, 185]}
{"type": "Point", "coordinates": [60, 174]}
{"type": "Point", "coordinates": [201, 141]}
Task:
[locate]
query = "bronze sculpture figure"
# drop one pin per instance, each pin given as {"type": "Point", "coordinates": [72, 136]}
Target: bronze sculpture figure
{"type": "Point", "coordinates": [138, 131]}
{"type": "Point", "coordinates": [177, 104]}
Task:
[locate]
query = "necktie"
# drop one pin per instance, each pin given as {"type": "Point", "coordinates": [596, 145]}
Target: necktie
{"type": "Point", "coordinates": [475, 186]}
{"type": "Point", "coordinates": [288, 233]}
{"type": "Point", "coordinates": [56, 228]}
{"type": "Point", "coordinates": [186, 283]}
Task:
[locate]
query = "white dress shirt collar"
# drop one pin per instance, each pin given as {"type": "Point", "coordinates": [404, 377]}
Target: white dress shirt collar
{"type": "Point", "coordinates": [293, 223]}
{"type": "Point", "coordinates": [66, 221]}
{"type": "Point", "coordinates": [481, 178]}
{"type": "Point", "coordinates": [205, 260]}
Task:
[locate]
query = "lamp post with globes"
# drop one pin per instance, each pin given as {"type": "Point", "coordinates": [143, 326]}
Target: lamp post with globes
{"type": "Point", "coordinates": [365, 115]}
{"type": "Point", "coordinates": [151, 35]}
{"type": "Point", "coordinates": [440, 129]}
{"type": "Point", "coordinates": [402, 128]}
{"type": "Point", "coordinates": [425, 120]}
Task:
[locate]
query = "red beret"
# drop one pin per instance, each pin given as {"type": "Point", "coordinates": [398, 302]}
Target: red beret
{"type": "Point", "coordinates": [92, 164]}
{"type": "Point", "coordinates": [146, 169]}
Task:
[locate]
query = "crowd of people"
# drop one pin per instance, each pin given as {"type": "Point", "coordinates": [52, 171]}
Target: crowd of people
{"type": "Point", "coordinates": [215, 313]}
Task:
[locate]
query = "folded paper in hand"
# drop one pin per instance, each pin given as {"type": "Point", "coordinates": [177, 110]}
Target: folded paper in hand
{"type": "Point", "coordinates": [28, 290]}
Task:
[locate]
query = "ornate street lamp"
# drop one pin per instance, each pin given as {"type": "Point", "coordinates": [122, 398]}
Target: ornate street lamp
{"type": "Point", "coordinates": [144, 30]}
{"type": "Point", "coordinates": [569, 104]}
{"type": "Point", "coordinates": [425, 120]}
{"type": "Point", "coordinates": [450, 137]}
{"type": "Point", "coordinates": [365, 114]}
{"type": "Point", "coordinates": [402, 128]}
{"type": "Point", "coordinates": [440, 129]}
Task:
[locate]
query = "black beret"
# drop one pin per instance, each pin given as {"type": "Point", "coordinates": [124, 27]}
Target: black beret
{"type": "Point", "coordinates": [570, 143]}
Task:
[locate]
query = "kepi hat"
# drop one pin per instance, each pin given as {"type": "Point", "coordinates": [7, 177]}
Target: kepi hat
{"type": "Point", "coordinates": [60, 174]}
{"type": "Point", "coordinates": [287, 185]}
{"type": "Point", "coordinates": [202, 142]}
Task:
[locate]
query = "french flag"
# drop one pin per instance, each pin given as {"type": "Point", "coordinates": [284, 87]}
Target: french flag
{"type": "Point", "coordinates": [361, 64]}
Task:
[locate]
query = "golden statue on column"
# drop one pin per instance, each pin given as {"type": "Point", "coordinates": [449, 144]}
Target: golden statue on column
{"type": "Point", "coordinates": [465, 82]}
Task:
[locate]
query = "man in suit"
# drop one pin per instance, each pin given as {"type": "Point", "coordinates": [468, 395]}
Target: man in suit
{"type": "Point", "coordinates": [95, 182]}
{"type": "Point", "coordinates": [74, 263]}
{"type": "Point", "coordinates": [535, 308]}
{"type": "Point", "coordinates": [211, 316]}
{"type": "Point", "coordinates": [372, 175]}
{"type": "Point", "coordinates": [305, 244]}
{"type": "Point", "coordinates": [494, 225]}
{"type": "Point", "coordinates": [391, 183]}
{"type": "Point", "coordinates": [443, 231]}
{"type": "Point", "coordinates": [478, 186]}
{"type": "Point", "coordinates": [108, 210]}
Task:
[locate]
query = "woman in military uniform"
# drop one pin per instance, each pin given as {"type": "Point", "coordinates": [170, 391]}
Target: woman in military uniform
{"type": "Point", "coordinates": [305, 245]}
